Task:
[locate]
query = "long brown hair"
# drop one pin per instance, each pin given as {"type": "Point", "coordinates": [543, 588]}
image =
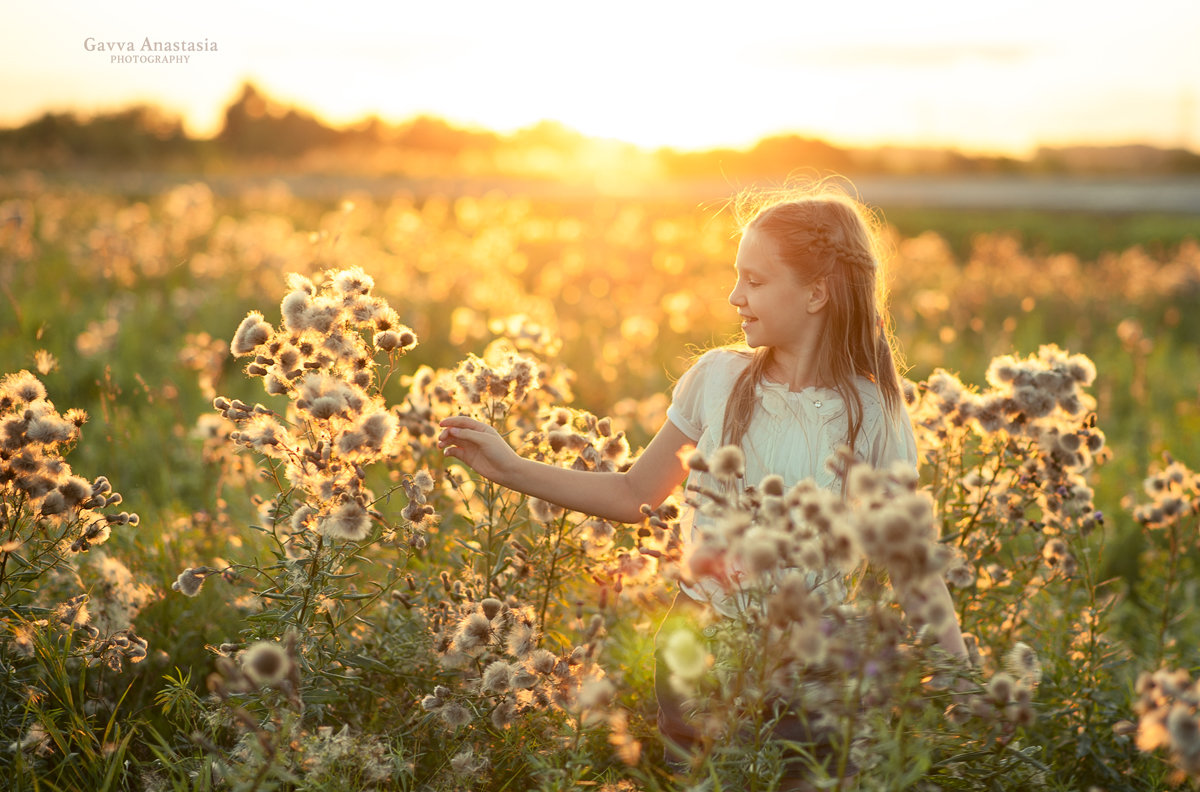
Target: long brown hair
{"type": "Point", "coordinates": [822, 233]}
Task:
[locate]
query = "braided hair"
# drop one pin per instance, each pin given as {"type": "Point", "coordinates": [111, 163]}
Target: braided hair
{"type": "Point", "coordinates": [826, 234]}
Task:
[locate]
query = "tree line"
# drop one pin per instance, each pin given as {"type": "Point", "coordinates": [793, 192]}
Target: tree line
{"type": "Point", "coordinates": [257, 128]}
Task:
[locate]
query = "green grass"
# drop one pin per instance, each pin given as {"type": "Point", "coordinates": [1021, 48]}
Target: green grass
{"type": "Point", "coordinates": [1086, 234]}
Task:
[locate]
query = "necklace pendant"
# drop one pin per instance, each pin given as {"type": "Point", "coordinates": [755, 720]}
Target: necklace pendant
{"type": "Point", "coordinates": [817, 403]}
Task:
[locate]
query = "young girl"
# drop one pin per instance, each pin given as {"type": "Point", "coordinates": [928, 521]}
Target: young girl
{"type": "Point", "coordinates": [818, 374]}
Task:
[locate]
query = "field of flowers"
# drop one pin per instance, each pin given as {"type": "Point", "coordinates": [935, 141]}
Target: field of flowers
{"type": "Point", "coordinates": [295, 590]}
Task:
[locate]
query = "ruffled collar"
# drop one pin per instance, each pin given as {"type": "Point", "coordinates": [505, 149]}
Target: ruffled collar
{"type": "Point", "coordinates": [811, 392]}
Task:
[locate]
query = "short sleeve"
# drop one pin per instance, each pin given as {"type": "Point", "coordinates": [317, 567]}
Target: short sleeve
{"type": "Point", "coordinates": [687, 400]}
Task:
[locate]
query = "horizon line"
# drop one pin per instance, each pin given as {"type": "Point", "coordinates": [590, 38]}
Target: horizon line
{"type": "Point", "coordinates": [86, 115]}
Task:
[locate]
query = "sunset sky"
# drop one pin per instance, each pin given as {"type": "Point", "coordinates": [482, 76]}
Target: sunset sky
{"type": "Point", "coordinates": [981, 77]}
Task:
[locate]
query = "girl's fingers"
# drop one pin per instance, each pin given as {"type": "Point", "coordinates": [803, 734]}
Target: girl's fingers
{"type": "Point", "coordinates": [448, 437]}
{"type": "Point", "coordinates": [464, 422]}
{"type": "Point", "coordinates": [458, 435]}
{"type": "Point", "coordinates": [458, 431]}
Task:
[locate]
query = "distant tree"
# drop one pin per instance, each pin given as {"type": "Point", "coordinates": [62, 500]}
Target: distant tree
{"type": "Point", "coordinates": [256, 125]}
{"type": "Point", "coordinates": [1183, 161]}
{"type": "Point", "coordinates": [370, 131]}
{"type": "Point", "coordinates": [785, 153]}
{"type": "Point", "coordinates": [430, 133]}
{"type": "Point", "coordinates": [140, 134]}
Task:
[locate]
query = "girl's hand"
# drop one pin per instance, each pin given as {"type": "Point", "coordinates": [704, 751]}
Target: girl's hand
{"type": "Point", "coordinates": [479, 446]}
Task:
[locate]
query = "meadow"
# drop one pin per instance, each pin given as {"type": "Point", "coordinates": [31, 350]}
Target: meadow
{"type": "Point", "coordinates": [295, 590]}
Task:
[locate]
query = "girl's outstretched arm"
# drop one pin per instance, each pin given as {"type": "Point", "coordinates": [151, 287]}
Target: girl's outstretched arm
{"type": "Point", "coordinates": [612, 496]}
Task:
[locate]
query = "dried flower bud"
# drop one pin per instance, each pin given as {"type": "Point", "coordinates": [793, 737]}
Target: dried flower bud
{"type": "Point", "coordinates": [491, 607]}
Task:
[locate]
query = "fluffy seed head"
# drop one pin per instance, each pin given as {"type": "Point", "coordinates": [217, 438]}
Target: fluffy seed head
{"type": "Point", "coordinates": [596, 693]}
{"type": "Point", "coordinates": [1000, 688]}
{"type": "Point", "coordinates": [1022, 662]}
{"type": "Point", "coordinates": [22, 387]}
{"type": "Point", "coordinates": [1184, 730]}
{"type": "Point", "coordinates": [75, 490]}
{"type": "Point", "coordinates": [53, 503]}
{"type": "Point", "coordinates": [772, 485]}
{"type": "Point", "coordinates": [49, 429]}
{"type": "Point", "coordinates": [353, 282]}
{"type": "Point", "coordinates": [496, 677]}
{"type": "Point", "coordinates": [190, 580]}
{"type": "Point", "coordinates": [473, 632]}
{"type": "Point", "coordinates": [504, 714]}
{"type": "Point", "coordinates": [347, 521]}
{"type": "Point", "coordinates": [521, 640]}
{"type": "Point", "coordinates": [252, 332]}
{"type": "Point", "coordinates": [266, 663]}
{"type": "Point", "coordinates": [454, 715]}
{"type": "Point", "coordinates": [423, 481]}
{"type": "Point", "coordinates": [294, 308]}
{"type": "Point", "coordinates": [379, 428]}
{"type": "Point", "coordinates": [542, 661]}
{"type": "Point", "coordinates": [728, 463]}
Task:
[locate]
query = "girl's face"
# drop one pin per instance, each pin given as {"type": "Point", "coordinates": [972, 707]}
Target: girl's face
{"type": "Point", "coordinates": [777, 310]}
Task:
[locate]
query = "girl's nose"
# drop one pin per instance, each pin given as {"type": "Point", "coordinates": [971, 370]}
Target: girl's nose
{"type": "Point", "coordinates": [735, 297]}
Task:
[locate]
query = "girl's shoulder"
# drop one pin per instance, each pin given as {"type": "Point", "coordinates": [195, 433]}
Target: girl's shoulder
{"type": "Point", "coordinates": [728, 357]}
{"type": "Point", "coordinates": [720, 362]}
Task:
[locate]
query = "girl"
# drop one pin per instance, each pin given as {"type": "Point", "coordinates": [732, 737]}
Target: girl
{"type": "Point", "coordinates": [817, 373]}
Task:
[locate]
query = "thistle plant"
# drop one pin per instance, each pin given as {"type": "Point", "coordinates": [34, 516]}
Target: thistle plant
{"type": "Point", "coordinates": [316, 453]}
{"type": "Point", "coordinates": [1167, 706]}
{"type": "Point", "coordinates": [1168, 520]}
{"type": "Point", "coordinates": [345, 608]}
{"type": "Point", "coordinates": [497, 673]}
{"type": "Point", "coordinates": [1008, 466]}
{"type": "Point", "coordinates": [521, 547]}
{"type": "Point", "coordinates": [1168, 712]}
{"type": "Point", "coordinates": [802, 649]}
{"type": "Point", "coordinates": [519, 617]}
{"type": "Point", "coordinates": [64, 603]}
{"type": "Point", "coordinates": [331, 548]}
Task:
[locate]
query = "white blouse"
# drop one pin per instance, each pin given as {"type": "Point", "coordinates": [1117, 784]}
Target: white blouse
{"type": "Point", "coordinates": [792, 434]}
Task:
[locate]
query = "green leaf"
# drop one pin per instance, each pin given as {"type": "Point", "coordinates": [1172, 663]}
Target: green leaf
{"type": "Point", "coordinates": [364, 661]}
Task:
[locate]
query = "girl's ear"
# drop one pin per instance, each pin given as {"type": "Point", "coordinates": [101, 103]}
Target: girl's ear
{"type": "Point", "coordinates": [818, 295]}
